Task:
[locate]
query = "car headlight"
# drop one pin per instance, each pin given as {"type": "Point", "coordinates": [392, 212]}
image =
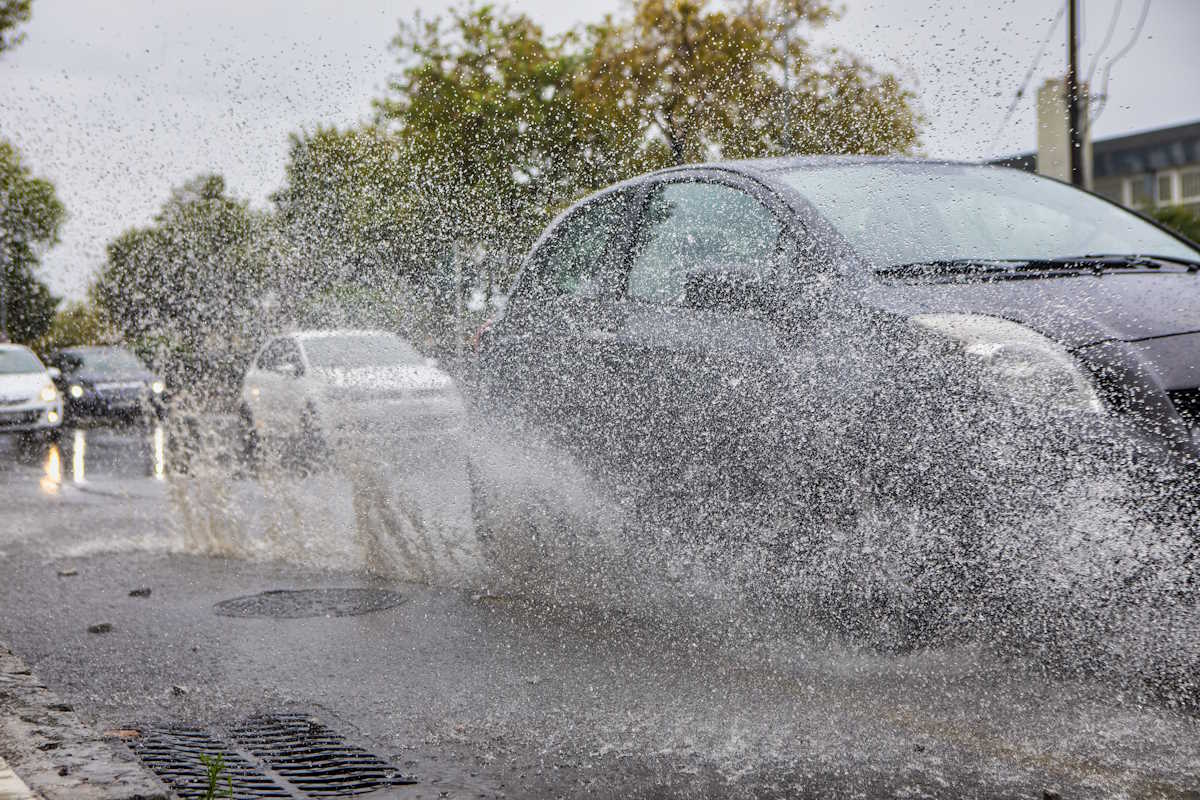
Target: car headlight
{"type": "Point", "coordinates": [76, 391]}
{"type": "Point", "coordinates": [157, 387]}
{"type": "Point", "coordinates": [48, 394]}
{"type": "Point", "coordinates": [1029, 367]}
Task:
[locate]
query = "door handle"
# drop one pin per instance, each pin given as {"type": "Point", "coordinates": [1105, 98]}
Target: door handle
{"type": "Point", "coordinates": [601, 335]}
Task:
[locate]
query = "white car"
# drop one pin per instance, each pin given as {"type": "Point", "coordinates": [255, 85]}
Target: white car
{"type": "Point", "coordinates": [29, 401]}
{"type": "Point", "coordinates": [326, 386]}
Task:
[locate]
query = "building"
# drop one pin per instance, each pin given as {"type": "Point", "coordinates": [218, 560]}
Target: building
{"type": "Point", "coordinates": [1139, 170]}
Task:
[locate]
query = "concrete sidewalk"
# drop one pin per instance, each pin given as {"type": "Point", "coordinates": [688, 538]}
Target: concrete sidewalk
{"type": "Point", "coordinates": [47, 753]}
{"type": "Point", "coordinates": [12, 787]}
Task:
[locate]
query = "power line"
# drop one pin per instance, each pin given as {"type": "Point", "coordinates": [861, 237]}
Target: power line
{"type": "Point", "coordinates": [1137, 31]}
{"type": "Point", "coordinates": [1112, 27]}
{"type": "Point", "coordinates": [1037, 58]}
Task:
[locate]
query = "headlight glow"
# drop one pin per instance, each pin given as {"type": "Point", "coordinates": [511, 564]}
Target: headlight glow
{"type": "Point", "coordinates": [1030, 368]}
{"type": "Point", "coordinates": [48, 394]}
{"type": "Point", "coordinates": [76, 391]}
{"type": "Point", "coordinates": [157, 387]}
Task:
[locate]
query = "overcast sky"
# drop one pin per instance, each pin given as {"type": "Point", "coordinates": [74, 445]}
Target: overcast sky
{"type": "Point", "coordinates": [118, 100]}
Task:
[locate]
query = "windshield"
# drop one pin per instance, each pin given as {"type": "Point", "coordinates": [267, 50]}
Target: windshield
{"type": "Point", "coordinates": [916, 213]}
{"type": "Point", "coordinates": [358, 351]}
{"type": "Point", "coordinates": [18, 360]}
{"type": "Point", "coordinates": [109, 360]}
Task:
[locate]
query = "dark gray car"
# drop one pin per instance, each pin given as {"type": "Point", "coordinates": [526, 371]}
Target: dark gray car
{"type": "Point", "coordinates": [827, 348]}
{"type": "Point", "coordinates": [106, 382]}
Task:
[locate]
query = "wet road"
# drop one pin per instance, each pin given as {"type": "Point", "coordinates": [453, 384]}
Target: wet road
{"type": "Point", "coordinates": [479, 693]}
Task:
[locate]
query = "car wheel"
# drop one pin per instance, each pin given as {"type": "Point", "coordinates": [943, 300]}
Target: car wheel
{"type": "Point", "coordinates": [311, 452]}
{"type": "Point", "coordinates": [247, 439]}
{"type": "Point", "coordinates": [480, 516]}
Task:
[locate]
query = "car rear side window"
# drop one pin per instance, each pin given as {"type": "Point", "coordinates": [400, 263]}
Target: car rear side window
{"type": "Point", "coordinates": [276, 354]}
{"type": "Point", "coordinates": [571, 260]}
{"type": "Point", "coordinates": [697, 227]}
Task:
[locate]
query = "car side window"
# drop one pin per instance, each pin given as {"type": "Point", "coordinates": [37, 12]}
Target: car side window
{"type": "Point", "coordinates": [290, 356]}
{"type": "Point", "coordinates": [269, 358]}
{"type": "Point", "coordinates": [694, 227]}
{"type": "Point", "coordinates": [571, 261]}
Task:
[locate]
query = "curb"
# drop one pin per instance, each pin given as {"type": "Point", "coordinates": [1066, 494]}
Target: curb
{"type": "Point", "coordinates": [54, 754]}
{"type": "Point", "coordinates": [12, 787]}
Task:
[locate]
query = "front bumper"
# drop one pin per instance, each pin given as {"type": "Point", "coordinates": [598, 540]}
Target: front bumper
{"type": "Point", "coordinates": [34, 416]}
{"type": "Point", "coordinates": [98, 403]}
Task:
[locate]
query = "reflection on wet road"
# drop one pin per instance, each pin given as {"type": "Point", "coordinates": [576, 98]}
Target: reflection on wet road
{"type": "Point", "coordinates": [81, 455]}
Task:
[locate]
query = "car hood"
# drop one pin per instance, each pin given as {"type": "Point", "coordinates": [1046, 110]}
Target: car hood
{"type": "Point", "coordinates": [23, 385]}
{"type": "Point", "coordinates": [1076, 310]}
{"type": "Point", "coordinates": [409, 377]}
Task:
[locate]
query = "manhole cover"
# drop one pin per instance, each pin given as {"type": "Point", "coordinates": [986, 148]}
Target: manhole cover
{"type": "Point", "coordinates": [297, 603]}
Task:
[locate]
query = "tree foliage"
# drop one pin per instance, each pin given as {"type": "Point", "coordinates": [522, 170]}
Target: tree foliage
{"type": "Point", "coordinates": [30, 219]}
{"type": "Point", "coordinates": [188, 289]}
{"type": "Point", "coordinates": [1182, 219]}
{"type": "Point", "coordinates": [77, 323]}
{"type": "Point", "coordinates": [12, 14]}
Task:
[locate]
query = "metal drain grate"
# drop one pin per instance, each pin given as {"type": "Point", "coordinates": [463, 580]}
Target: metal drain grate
{"type": "Point", "coordinates": [289, 756]}
{"type": "Point", "coordinates": [314, 758]}
{"type": "Point", "coordinates": [174, 755]}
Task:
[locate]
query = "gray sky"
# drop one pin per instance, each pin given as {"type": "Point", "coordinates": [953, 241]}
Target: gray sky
{"type": "Point", "coordinates": [118, 100]}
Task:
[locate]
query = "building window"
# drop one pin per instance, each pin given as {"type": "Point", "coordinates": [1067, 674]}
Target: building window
{"type": "Point", "coordinates": [1189, 186]}
{"type": "Point", "coordinates": [1141, 190]}
{"type": "Point", "coordinates": [1164, 188]}
{"type": "Point", "coordinates": [1110, 188]}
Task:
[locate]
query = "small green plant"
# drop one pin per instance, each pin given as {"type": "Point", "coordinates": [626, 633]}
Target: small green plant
{"type": "Point", "coordinates": [214, 767]}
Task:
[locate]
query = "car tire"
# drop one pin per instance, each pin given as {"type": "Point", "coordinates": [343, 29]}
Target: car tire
{"type": "Point", "coordinates": [311, 451]}
{"type": "Point", "coordinates": [249, 446]}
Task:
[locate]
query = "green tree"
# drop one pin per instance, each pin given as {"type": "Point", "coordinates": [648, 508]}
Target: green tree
{"type": "Point", "coordinates": [76, 323]}
{"type": "Point", "coordinates": [12, 14]}
{"type": "Point", "coordinates": [30, 219]}
{"type": "Point", "coordinates": [1182, 219]}
{"type": "Point", "coordinates": [484, 105]}
{"type": "Point", "coordinates": [739, 82]}
{"type": "Point", "coordinates": [188, 291]}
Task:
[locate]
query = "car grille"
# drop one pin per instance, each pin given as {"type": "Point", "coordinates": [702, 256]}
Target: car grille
{"type": "Point", "coordinates": [1187, 404]}
{"type": "Point", "coordinates": [120, 392]}
{"type": "Point", "coordinates": [10, 419]}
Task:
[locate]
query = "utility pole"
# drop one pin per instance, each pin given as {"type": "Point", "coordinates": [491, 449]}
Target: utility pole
{"type": "Point", "coordinates": [3, 291]}
{"type": "Point", "coordinates": [1074, 123]}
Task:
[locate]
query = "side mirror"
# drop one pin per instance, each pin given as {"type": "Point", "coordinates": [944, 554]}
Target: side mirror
{"type": "Point", "coordinates": [719, 288]}
{"type": "Point", "coordinates": [54, 372]}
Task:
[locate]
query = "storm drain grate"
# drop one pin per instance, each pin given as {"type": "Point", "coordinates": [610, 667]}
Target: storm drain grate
{"type": "Point", "coordinates": [174, 755]}
{"type": "Point", "coordinates": [314, 758]}
{"type": "Point", "coordinates": [277, 756]}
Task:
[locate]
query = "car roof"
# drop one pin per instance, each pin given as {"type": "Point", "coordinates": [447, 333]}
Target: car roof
{"type": "Point", "coordinates": [325, 334]}
{"type": "Point", "coordinates": [762, 168]}
{"type": "Point", "coordinates": [91, 348]}
{"type": "Point", "coordinates": [13, 346]}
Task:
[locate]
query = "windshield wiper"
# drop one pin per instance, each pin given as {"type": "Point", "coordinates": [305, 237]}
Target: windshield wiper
{"type": "Point", "coordinates": [1091, 262]}
{"type": "Point", "coordinates": [1152, 260]}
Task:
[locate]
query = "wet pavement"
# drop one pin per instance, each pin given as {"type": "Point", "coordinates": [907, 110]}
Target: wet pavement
{"type": "Point", "coordinates": [478, 692]}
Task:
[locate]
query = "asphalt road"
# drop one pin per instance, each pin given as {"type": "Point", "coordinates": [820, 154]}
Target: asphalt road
{"type": "Point", "coordinates": [484, 692]}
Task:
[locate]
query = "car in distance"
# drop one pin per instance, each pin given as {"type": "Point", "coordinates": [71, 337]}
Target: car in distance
{"type": "Point", "coordinates": [29, 401]}
{"type": "Point", "coordinates": [106, 382]}
{"type": "Point", "coordinates": [705, 326]}
{"type": "Point", "coordinates": [319, 387]}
